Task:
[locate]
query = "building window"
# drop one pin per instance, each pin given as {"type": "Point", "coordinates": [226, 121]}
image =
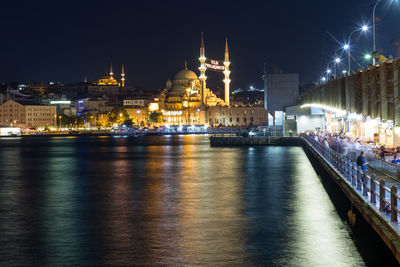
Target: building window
{"type": "Point", "coordinates": [237, 119]}
{"type": "Point", "coordinates": [251, 119]}
{"type": "Point", "coordinates": [230, 119]}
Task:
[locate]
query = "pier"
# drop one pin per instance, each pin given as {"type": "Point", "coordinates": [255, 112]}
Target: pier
{"type": "Point", "coordinates": [221, 140]}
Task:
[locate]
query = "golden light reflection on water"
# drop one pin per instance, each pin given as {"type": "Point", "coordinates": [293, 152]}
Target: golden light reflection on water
{"type": "Point", "coordinates": [176, 201]}
{"type": "Point", "coordinates": [210, 200]}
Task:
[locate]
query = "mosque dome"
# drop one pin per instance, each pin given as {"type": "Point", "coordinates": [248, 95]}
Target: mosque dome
{"type": "Point", "coordinates": [185, 74]}
{"type": "Point", "coordinates": [178, 88]}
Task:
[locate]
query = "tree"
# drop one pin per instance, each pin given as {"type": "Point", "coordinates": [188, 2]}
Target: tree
{"type": "Point", "coordinates": [128, 122]}
{"type": "Point", "coordinates": [156, 117]}
{"type": "Point", "coordinates": [118, 116]}
{"type": "Point", "coordinates": [103, 120]}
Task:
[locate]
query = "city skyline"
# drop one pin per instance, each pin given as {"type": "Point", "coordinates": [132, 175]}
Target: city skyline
{"type": "Point", "coordinates": [66, 43]}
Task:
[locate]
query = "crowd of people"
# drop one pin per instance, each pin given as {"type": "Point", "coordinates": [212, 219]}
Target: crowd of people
{"type": "Point", "coordinates": [350, 146]}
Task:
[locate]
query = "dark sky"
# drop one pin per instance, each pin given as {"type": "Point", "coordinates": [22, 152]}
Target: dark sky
{"type": "Point", "coordinates": [66, 40]}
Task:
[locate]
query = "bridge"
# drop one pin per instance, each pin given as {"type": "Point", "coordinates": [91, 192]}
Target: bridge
{"type": "Point", "coordinates": [377, 203]}
{"type": "Point", "coordinates": [366, 102]}
{"type": "Point", "coordinates": [374, 198]}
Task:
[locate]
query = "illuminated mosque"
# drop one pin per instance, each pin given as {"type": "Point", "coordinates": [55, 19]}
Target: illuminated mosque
{"type": "Point", "coordinates": [186, 98]}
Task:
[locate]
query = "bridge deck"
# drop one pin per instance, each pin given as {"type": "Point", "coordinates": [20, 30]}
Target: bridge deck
{"type": "Point", "coordinates": [362, 190]}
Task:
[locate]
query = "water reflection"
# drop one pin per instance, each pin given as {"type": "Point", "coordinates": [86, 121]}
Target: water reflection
{"type": "Point", "coordinates": [164, 201]}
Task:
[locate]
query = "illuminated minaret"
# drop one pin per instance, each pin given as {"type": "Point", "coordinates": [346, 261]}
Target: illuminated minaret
{"type": "Point", "coordinates": [202, 69]}
{"type": "Point", "coordinates": [123, 76]}
{"type": "Point", "coordinates": [226, 72]}
{"type": "Point", "coordinates": [111, 72]}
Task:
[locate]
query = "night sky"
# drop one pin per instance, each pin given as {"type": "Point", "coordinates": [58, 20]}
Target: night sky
{"type": "Point", "coordinates": [66, 40]}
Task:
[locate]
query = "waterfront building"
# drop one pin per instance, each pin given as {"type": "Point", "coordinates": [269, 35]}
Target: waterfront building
{"type": "Point", "coordinates": [13, 113]}
{"type": "Point", "coordinates": [92, 105]}
{"type": "Point", "coordinates": [139, 116]}
{"type": "Point", "coordinates": [187, 100]}
{"type": "Point", "coordinates": [182, 99]}
{"type": "Point", "coordinates": [238, 116]}
{"type": "Point", "coordinates": [63, 106]}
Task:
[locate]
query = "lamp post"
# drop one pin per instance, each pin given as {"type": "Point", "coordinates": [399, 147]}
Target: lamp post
{"type": "Point", "coordinates": [347, 45]}
{"type": "Point", "coordinates": [337, 61]}
{"type": "Point", "coordinates": [59, 126]}
{"type": "Point", "coordinates": [373, 29]}
{"type": "Point", "coordinates": [327, 73]}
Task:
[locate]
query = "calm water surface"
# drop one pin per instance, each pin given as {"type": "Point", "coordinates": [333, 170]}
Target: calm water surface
{"type": "Point", "coordinates": [164, 201]}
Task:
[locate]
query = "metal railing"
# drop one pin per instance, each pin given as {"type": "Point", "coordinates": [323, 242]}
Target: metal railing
{"type": "Point", "coordinates": [374, 191]}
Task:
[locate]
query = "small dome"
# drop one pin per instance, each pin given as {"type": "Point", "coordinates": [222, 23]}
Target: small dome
{"type": "Point", "coordinates": [185, 74]}
{"type": "Point", "coordinates": [168, 84]}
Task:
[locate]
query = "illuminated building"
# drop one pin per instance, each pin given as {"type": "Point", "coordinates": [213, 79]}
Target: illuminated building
{"type": "Point", "coordinates": [139, 116]}
{"type": "Point", "coordinates": [13, 113]}
{"type": "Point", "coordinates": [108, 85]}
{"type": "Point", "coordinates": [237, 116]}
{"type": "Point", "coordinates": [187, 100]}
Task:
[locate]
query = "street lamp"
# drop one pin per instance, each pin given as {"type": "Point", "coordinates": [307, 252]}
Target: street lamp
{"type": "Point", "coordinates": [337, 61]}
{"type": "Point", "coordinates": [373, 30]}
{"type": "Point", "coordinates": [328, 71]}
{"type": "Point", "coordinates": [347, 45]}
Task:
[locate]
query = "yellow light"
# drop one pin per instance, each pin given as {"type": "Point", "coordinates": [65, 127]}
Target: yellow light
{"type": "Point", "coordinates": [153, 106]}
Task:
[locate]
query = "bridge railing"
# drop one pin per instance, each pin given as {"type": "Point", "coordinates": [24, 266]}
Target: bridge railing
{"type": "Point", "coordinates": [375, 192]}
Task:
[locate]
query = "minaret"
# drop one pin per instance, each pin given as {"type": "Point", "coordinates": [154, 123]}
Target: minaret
{"type": "Point", "coordinates": [111, 72]}
{"type": "Point", "coordinates": [123, 76]}
{"type": "Point", "coordinates": [202, 69]}
{"type": "Point", "coordinates": [226, 72]}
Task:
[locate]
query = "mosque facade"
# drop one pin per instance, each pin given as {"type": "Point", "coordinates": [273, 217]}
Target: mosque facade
{"type": "Point", "coordinates": [186, 99]}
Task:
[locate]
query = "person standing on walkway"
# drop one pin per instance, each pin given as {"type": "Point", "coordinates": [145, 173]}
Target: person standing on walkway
{"type": "Point", "coordinates": [362, 162]}
{"type": "Point", "coordinates": [326, 144]}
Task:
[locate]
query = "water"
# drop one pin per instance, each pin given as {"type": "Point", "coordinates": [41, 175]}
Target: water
{"type": "Point", "coordinates": [169, 200]}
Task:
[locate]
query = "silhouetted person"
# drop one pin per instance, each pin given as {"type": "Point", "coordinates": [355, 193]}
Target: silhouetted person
{"type": "Point", "coordinates": [362, 162]}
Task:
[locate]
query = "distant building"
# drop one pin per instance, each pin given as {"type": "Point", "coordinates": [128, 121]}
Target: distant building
{"type": "Point", "coordinates": [65, 107]}
{"type": "Point", "coordinates": [237, 116]}
{"type": "Point", "coordinates": [280, 91]}
{"type": "Point", "coordinates": [13, 113]}
{"type": "Point", "coordinates": [137, 102]}
{"type": "Point", "coordinates": [108, 85]}
{"type": "Point", "coordinates": [92, 105]}
{"type": "Point", "coordinates": [139, 116]}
